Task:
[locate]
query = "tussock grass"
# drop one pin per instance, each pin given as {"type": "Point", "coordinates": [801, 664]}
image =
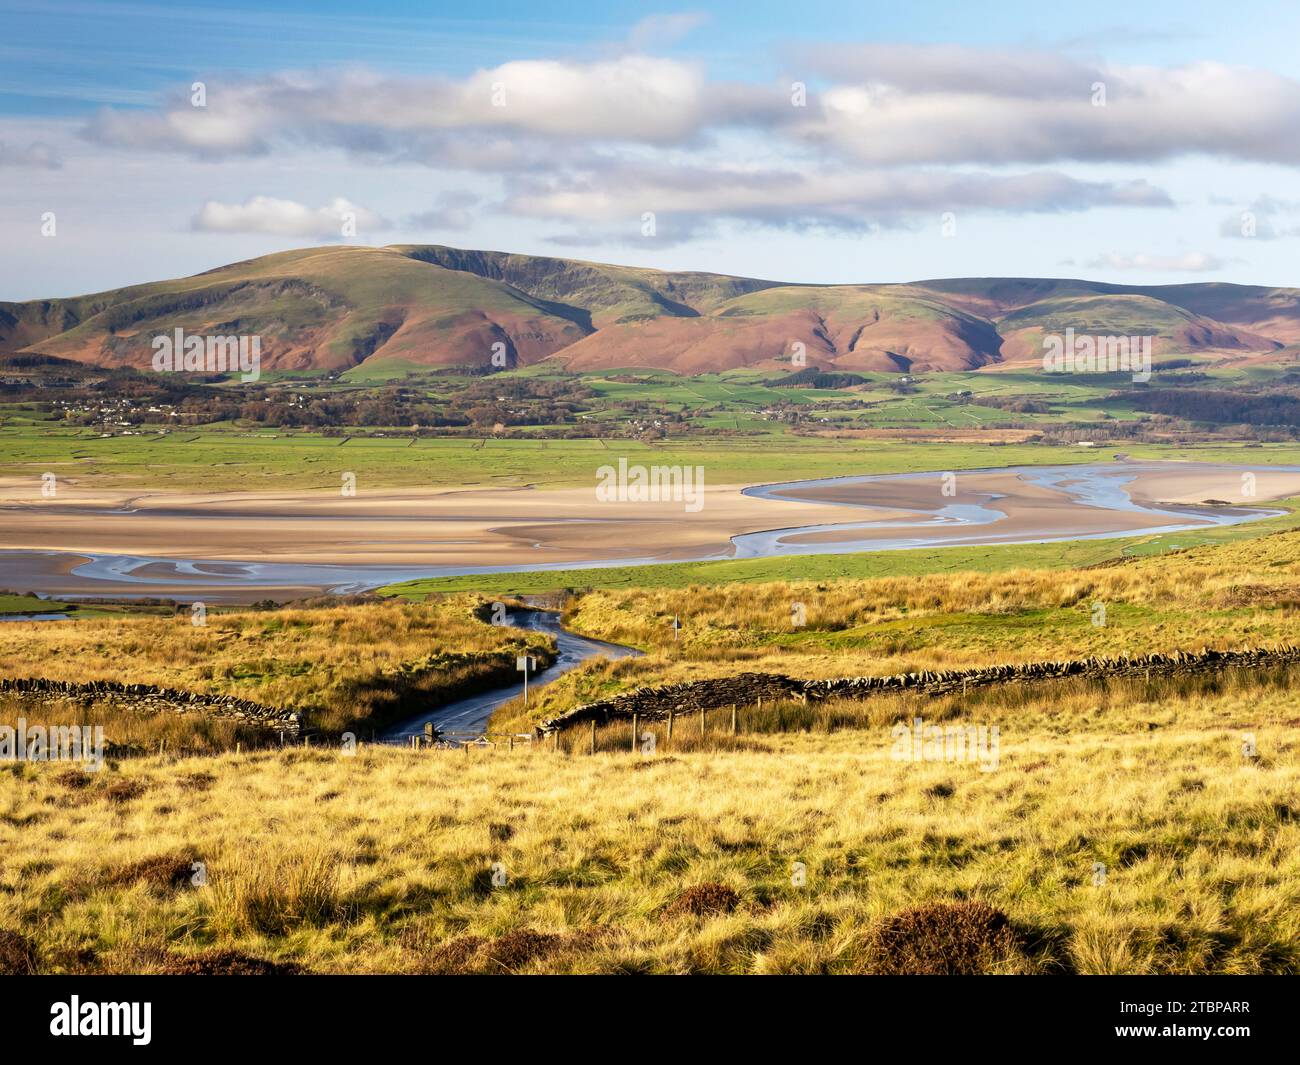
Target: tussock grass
{"type": "Point", "coordinates": [1236, 590]}
{"type": "Point", "coordinates": [130, 731]}
{"type": "Point", "coordinates": [385, 861]}
{"type": "Point", "coordinates": [1241, 594]}
{"type": "Point", "coordinates": [274, 892]}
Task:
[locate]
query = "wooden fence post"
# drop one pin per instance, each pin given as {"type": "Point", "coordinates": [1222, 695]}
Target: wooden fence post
{"type": "Point", "coordinates": [635, 720]}
{"type": "Point", "coordinates": [593, 735]}
{"type": "Point", "coordinates": [670, 725]}
{"type": "Point", "coordinates": [704, 714]}
{"type": "Point", "coordinates": [733, 719]}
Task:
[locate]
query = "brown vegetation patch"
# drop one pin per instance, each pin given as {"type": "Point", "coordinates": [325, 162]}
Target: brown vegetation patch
{"type": "Point", "coordinates": [508, 953]}
{"type": "Point", "coordinates": [651, 763]}
{"type": "Point", "coordinates": [226, 963]}
{"type": "Point", "coordinates": [454, 956]}
{"type": "Point", "coordinates": [1263, 595]}
{"type": "Point", "coordinates": [516, 949]}
{"type": "Point", "coordinates": [161, 873]}
{"type": "Point", "coordinates": [17, 954]}
{"type": "Point", "coordinates": [74, 779]}
{"type": "Point", "coordinates": [703, 900]}
{"type": "Point", "coordinates": [941, 939]}
{"type": "Point", "coordinates": [125, 789]}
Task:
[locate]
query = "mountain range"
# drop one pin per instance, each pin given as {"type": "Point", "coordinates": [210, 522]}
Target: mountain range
{"type": "Point", "coordinates": [329, 309]}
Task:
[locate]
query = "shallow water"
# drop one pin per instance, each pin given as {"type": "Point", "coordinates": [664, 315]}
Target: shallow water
{"type": "Point", "coordinates": [1101, 486]}
{"type": "Point", "coordinates": [1098, 486]}
{"type": "Point", "coordinates": [34, 617]}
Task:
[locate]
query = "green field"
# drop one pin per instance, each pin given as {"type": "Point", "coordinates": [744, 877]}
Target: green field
{"type": "Point", "coordinates": [18, 605]}
{"type": "Point", "coordinates": [222, 457]}
{"type": "Point", "coordinates": [216, 458]}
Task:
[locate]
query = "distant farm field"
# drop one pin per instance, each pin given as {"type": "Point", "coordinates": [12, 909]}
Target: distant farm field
{"type": "Point", "coordinates": [737, 425]}
{"type": "Point", "coordinates": [215, 459]}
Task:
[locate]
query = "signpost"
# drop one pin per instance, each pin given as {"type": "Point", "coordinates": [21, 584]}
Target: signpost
{"type": "Point", "coordinates": [524, 663]}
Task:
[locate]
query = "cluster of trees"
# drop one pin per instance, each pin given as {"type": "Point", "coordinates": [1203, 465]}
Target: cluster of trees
{"type": "Point", "coordinates": [1222, 407]}
{"type": "Point", "coordinates": [1010, 403]}
{"type": "Point", "coordinates": [814, 377]}
{"type": "Point", "coordinates": [89, 396]}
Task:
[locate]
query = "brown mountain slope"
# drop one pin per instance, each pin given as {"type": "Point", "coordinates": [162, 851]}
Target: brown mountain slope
{"type": "Point", "coordinates": [327, 309]}
{"type": "Point", "coordinates": [321, 309]}
{"type": "Point", "coordinates": [848, 327]}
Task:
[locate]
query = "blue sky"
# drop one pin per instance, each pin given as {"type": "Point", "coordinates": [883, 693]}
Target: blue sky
{"type": "Point", "coordinates": [932, 139]}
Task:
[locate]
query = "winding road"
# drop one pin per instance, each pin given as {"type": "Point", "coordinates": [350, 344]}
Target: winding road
{"type": "Point", "coordinates": [469, 716]}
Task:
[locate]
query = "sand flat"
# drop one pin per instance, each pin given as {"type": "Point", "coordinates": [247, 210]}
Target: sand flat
{"type": "Point", "coordinates": [1206, 483]}
{"type": "Point", "coordinates": [401, 527]}
{"type": "Point", "coordinates": [472, 527]}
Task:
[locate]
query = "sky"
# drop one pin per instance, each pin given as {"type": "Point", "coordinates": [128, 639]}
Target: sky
{"type": "Point", "coordinates": [857, 142]}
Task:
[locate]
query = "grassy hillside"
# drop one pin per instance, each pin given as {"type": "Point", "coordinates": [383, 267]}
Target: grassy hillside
{"type": "Point", "coordinates": [322, 309]}
{"type": "Point", "coordinates": [1130, 837]}
{"type": "Point", "coordinates": [612, 294]}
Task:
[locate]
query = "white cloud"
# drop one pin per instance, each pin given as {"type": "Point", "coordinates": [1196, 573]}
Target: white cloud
{"type": "Point", "coordinates": [843, 199]}
{"type": "Point", "coordinates": [887, 105]}
{"type": "Point", "coordinates": [632, 98]}
{"type": "Point", "coordinates": [285, 218]}
{"type": "Point", "coordinates": [940, 104]}
{"type": "Point", "coordinates": [890, 133]}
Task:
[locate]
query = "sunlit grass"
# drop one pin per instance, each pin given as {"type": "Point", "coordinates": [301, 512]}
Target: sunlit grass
{"type": "Point", "coordinates": [1123, 836]}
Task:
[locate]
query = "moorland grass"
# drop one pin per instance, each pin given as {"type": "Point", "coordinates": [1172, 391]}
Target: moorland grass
{"type": "Point", "coordinates": [341, 664]}
{"type": "Point", "coordinates": [1243, 593]}
{"type": "Point", "coordinates": [1133, 837]}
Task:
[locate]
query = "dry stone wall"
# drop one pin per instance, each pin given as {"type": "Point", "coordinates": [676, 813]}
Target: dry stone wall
{"type": "Point", "coordinates": [747, 688]}
{"type": "Point", "coordinates": [148, 698]}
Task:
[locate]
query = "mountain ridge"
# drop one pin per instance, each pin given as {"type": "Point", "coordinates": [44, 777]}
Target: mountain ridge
{"type": "Point", "coordinates": [331, 308]}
